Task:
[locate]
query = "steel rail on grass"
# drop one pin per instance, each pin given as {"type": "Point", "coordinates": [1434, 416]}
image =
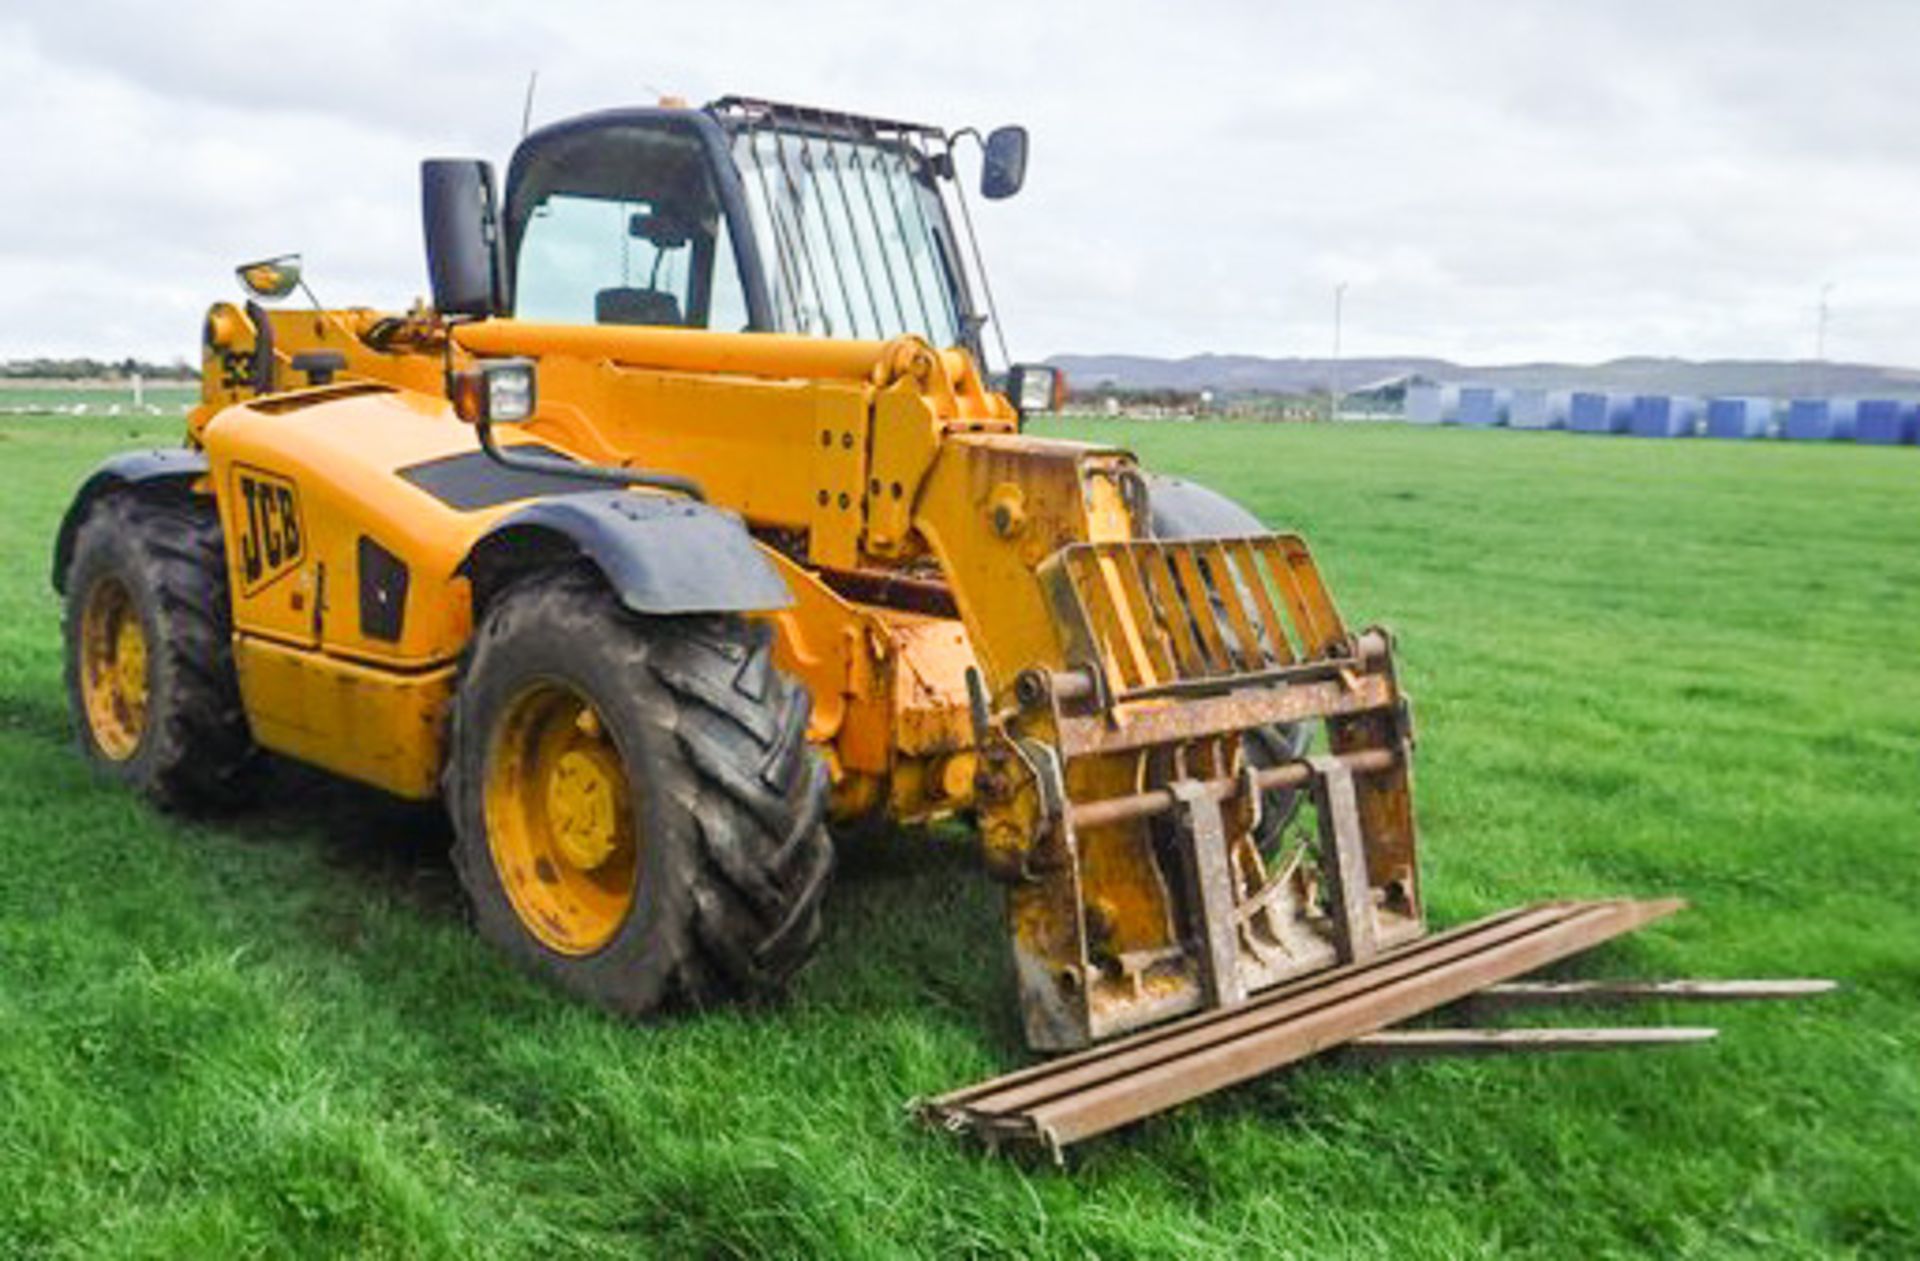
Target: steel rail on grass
{"type": "Point", "coordinates": [1079, 1096]}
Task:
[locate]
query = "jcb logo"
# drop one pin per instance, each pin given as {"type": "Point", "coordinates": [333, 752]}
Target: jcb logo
{"type": "Point", "coordinates": [271, 540]}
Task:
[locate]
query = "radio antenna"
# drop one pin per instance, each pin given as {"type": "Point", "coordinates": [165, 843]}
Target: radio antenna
{"type": "Point", "coordinates": [526, 110]}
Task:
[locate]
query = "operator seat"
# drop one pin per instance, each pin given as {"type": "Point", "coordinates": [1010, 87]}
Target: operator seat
{"type": "Point", "coordinates": [623, 305]}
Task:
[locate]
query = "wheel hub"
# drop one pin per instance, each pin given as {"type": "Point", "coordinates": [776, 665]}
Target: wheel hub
{"type": "Point", "coordinates": [130, 658]}
{"type": "Point", "coordinates": [560, 819]}
{"type": "Point", "coordinates": [580, 808]}
{"type": "Point", "coordinates": [113, 669]}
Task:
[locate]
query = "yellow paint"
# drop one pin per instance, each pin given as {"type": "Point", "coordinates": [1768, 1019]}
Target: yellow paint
{"type": "Point", "coordinates": [376, 725]}
{"type": "Point", "coordinates": [864, 468]}
{"type": "Point", "coordinates": [113, 669]}
{"type": "Point", "coordinates": [560, 820]}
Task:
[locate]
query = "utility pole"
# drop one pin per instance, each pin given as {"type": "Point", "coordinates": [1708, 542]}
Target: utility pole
{"type": "Point", "coordinates": [1820, 343]}
{"type": "Point", "coordinates": [1333, 380]}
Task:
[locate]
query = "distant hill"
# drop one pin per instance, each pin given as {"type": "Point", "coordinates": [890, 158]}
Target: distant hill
{"type": "Point", "coordinates": [1234, 374]}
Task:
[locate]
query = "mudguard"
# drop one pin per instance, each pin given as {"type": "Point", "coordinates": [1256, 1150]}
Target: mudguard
{"type": "Point", "coordinates": [659, 553]}
{"type": "Point", "coordinates": [171, 468]}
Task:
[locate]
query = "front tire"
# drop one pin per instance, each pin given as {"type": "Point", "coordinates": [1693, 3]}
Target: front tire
{"type": "Point", "coordinates": [638, 816]}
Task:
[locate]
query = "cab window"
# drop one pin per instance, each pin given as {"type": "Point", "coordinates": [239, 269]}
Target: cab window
{"type": "Point", "coordinates": [621, 225]}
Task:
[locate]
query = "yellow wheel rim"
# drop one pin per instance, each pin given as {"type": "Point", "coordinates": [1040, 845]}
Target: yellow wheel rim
{"type": "Point", "coordinates": [559, 819]}
{"type": "Point", "coordinates": [113, 669]}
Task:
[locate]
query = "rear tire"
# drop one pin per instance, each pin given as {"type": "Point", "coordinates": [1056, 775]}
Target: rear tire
{"type": "Point", "coordinates": [638, 816]}
{"type": "Point", "coordinates": [149, 652]}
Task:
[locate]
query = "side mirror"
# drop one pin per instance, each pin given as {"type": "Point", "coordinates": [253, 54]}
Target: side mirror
{"type": "Point", "coordinates": [463, 237]}
{"type": "Point", "coordinates": [1004, 168]}
{"type": "Point", "coordinates": [271, 278]}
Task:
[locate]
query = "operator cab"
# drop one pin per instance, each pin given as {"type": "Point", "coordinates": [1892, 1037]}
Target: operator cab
{"type": "Point", "coordinates": [748, 216]}
{"type": "Point", "coordinates": [741, 216]}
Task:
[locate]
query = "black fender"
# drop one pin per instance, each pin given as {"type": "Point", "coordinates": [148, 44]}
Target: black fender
{"type": "Point", "coordinates": [172, 470]}
{"type": "Point", "coordinates": [1181, 509]}
{"type": "Point", "coordinates": [659, 553]}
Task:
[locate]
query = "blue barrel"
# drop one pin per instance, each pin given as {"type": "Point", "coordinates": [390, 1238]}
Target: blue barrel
{"type": "Point", "coordinates": [1537, 409]}
{"type": "Point", "coordinates": [1736, 417]}
{"type": "Point", "coordinates": [1589, 411]}
{"type": "Point", "coordinates": [1426, 404]}
{"type": "Point", "coordinates": [1482, 406]}
{"type": "Point", "coordinates": [1886, 422]}
{"type": "Point", "coordinates": [1665, 415]}
{"type": "Point", "coordinates": [1819, 419]}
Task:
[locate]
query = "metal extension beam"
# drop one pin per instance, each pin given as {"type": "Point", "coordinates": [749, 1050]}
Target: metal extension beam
{"type": "Point", "coordinates": [1079, 1096]}
{"type": "Point", "coordinates": [1400, 1044]}
{"type": "Point", "coordinates": [1559, 993]}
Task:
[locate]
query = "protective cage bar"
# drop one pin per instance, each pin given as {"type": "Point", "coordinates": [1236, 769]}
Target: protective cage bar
{"type": "Point", "coordinates": [1160, 614]}
{"type": "Point", "coordinates": [1076, 1097]}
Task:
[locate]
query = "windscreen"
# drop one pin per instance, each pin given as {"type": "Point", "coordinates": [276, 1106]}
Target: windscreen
{"type": "Point", "coordinates": [855, 234]}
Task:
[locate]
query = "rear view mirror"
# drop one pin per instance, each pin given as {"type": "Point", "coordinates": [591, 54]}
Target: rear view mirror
{"type": "Point", "coordinates": [463, 237]}
{"type": "Point", "coordinates": [270, 278]}
{"type": "Point", "coordinates": [660, 229]}
{"type": "Point", "coordinates": [1004, 168]}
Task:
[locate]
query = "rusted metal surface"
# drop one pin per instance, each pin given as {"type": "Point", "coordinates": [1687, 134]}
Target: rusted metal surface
{"type": "Point", "coordinates": [1401, 1044]}
{"type": "Point", "coordinates": [1116, 786]}
{"type": "Point", "coordinates": [1079, 1096]}
{"type": "Point", "coordinates": [1162, 615]}
{"type": "Point", "coordinates": [1211, 878]}
{"type": "Point", "coordinates": [1161, 800]}
{"type": "Point", "coordinates": [891, 589]}
{"type": "Point", "coordinates": [1208, 715]}
{"type": "Point", "coordinates": [1343, 855]}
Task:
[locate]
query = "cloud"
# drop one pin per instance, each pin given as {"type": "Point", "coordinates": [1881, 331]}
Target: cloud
{"type": "Point", "coordinates": [1492, 180]}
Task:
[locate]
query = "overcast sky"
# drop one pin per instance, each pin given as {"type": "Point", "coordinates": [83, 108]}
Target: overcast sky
{"type": "Point", "coordinates": [1493, 181]}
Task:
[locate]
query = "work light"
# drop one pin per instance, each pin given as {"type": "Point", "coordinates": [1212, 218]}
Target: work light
{"type": "Point", "coordinates": [509, 389]}
{"type": "Point", "coordinates": [498, 391]}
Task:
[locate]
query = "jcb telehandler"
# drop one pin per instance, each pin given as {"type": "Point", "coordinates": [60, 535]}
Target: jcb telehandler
{"type": "Point", "coordinates": [686, 521]}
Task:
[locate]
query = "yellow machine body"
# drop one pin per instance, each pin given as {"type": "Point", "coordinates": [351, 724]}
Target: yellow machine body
{"type": "Point", "coordinates": [1191, 775]}
{"type": "Point", "coordinates": [887, 681]}
{"type": "Point", "coordinates": [922, 536]}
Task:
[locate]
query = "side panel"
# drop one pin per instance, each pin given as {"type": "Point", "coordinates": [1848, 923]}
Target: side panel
{"type": "Point", "coordinates": [372, 725]}
{"type": "Point", "coordinates": [350, 513]}
{"type": "Point", "coordinates": [313, 490]}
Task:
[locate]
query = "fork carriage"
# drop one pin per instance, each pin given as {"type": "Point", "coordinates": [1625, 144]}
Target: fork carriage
{"type": "Point", "coordinates": [1147, 894]}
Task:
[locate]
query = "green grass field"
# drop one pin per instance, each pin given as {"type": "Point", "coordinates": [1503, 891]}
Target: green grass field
{"type": "Point", "coordinates": [1640, 668]}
